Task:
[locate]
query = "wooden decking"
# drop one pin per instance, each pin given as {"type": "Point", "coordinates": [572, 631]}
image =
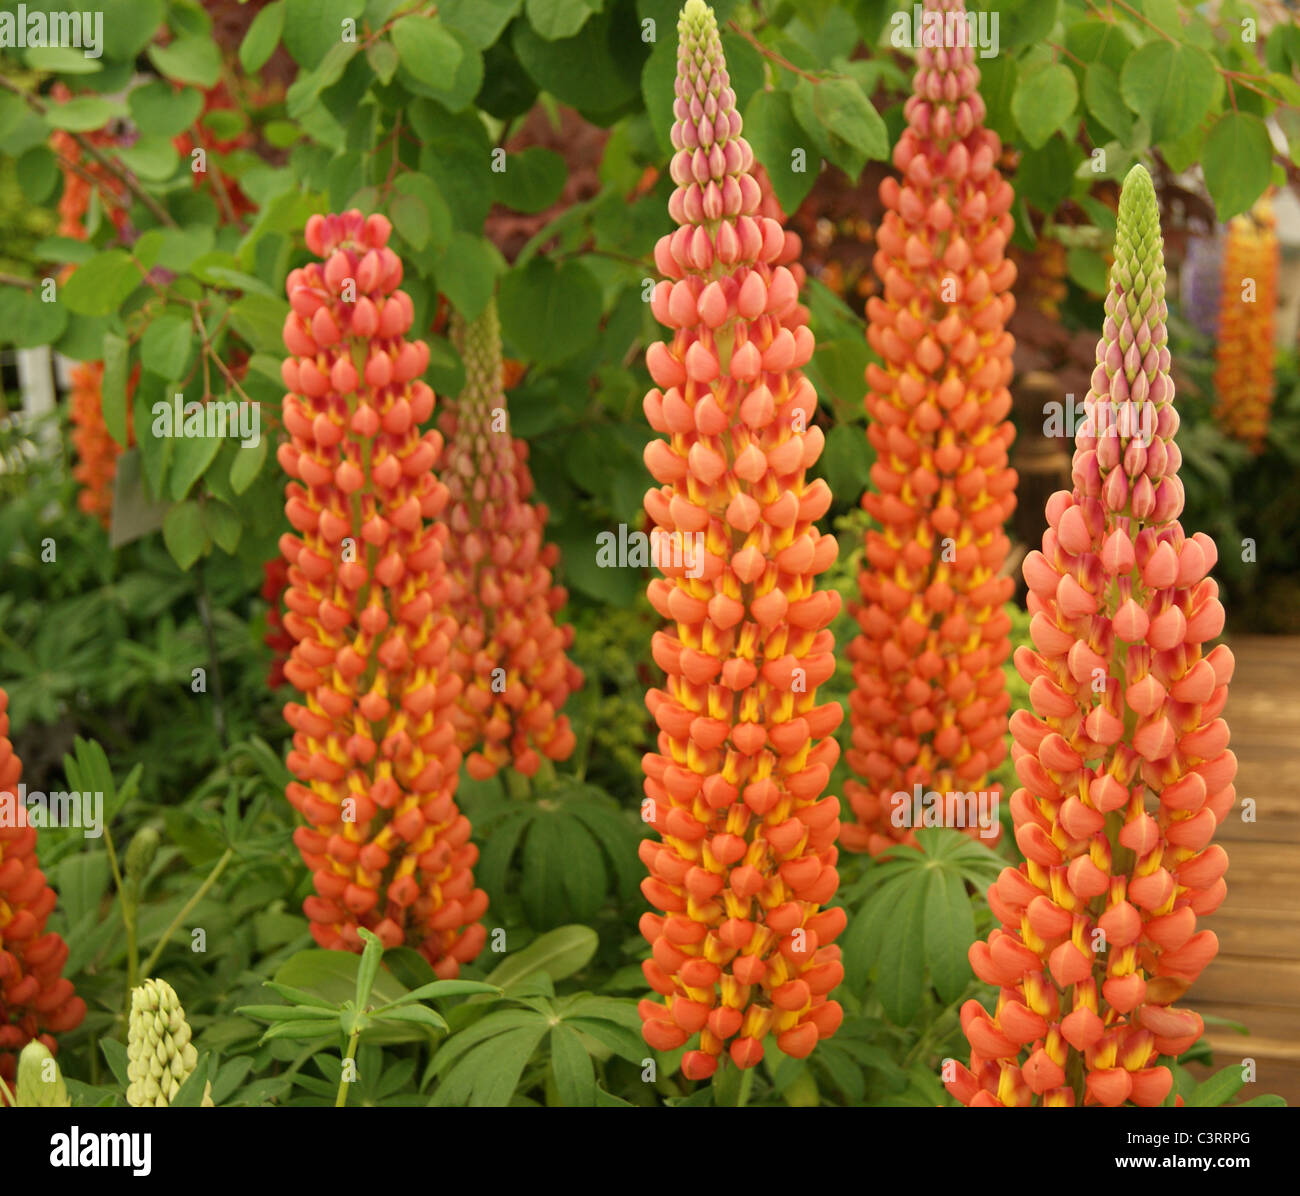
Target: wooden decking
{"type": "Point", "coordinates": [1255, 980]}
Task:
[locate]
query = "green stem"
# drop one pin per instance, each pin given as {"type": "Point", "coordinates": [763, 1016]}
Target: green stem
{"type": "Point", "coordinates": [201, 892]}
{"type": "Point", "coordinates": [9, 1098]}
{"type": "Point", "coordinates": [342, 1098]}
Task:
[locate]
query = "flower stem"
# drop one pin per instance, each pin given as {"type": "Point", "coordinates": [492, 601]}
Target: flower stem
{"type": "Point", "coordinates": [199, 894]}
{"type": "Point", "coordinates": [342, 1098]}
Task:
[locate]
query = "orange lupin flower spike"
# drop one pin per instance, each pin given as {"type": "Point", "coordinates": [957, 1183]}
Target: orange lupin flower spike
{"type": "Point", "coordinates": [743, 947]}
{"type": "Point", "coordinates": [929, 705]}
{"type": "Point", "coordinates": [374, 750]}
{"type": "Point", "coordinates": [509, 652]}
{"type": "Point", "coordinates": [1243, 376]}
{"type": "Point", "coordinates": [36, 999]}
{"type": "Point", "coordinates": [96, 451]}
{"type": "Point", "coordinates": [1098, 937]}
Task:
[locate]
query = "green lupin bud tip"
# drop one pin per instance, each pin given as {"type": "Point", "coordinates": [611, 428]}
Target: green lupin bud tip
{"type": "Point", "coordinates": [40, 1083]}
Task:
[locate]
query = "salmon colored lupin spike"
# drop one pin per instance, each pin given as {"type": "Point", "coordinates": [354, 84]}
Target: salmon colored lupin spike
{"type": "Point", "coordinates": [743, 944]}
{"type": "Point", "coordinates": [929, 705]}
{"type": "Point", "coordinates": [374, 749]}
{"type": "Point", "coordinates": [1244, 353]}
{"type": "Point", "coordinates": [510, 653]}
{"type": "Point", "coordinates": [36, 1000]}
{"type": "Point", "coordinates": [96, 451]}
{"type": "Point", "coordinates": [1123, 756]}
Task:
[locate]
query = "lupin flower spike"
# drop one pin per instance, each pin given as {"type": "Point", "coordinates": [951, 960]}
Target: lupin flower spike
{"type": "Point", "coordinates": [36, 999]}
{"type": "Point", "coordinates": [159, 1054]}
{"type": "Point", "coordinates": [1243, 376]}
{"type": "Point", "coordinates": [509, 652]}
{"type": "Point", "coordinates": [743, 947]}
{"type": "Point", "coordinates": [1124, 758]}
{"type": "Point", "coordinates": [929, 705]}
{"type": "Point", "coordinates": [374, 749]}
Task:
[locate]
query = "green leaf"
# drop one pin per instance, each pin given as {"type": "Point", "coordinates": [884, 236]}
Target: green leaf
{"type": "Point", "coordinates": [555, 19]}
{"type": "Point", "coordinates": [1237, 160]}
{"type": "Point", "coordinates": [1101, 94]}
{"type": "Point", "coordinates": [901, 970]}
{"type": "Point", "coordinates": [152, 157]}
{"type": "Point", "coordinates": [38, 171]}
{"type": "Point", "coordinates": [263, 34]}
{"type": "Point", "coordinates": [781, 145]}
{"type": "Point", "coordinates": [532, 179]}
{"type": "Point", "coordinates": [1086, 268]}
{"type": "Point", "coordinates": [313, 27]}
{"type": "Point", "coordinates": [557, 954]}
{"type": "Point", "coordinates": [27, 321]}
{"type": "Point", "coordinates": [1025, 22]}
{"type": "Point", "coordinates": [597, 70]}
{"type": "Point", "coordinates": [545, 868]}
{"type": "Point", "coordinates": [246, 466]}
{"type": "Point", "coordinates": [575, 1078]}
{"type": "Point", "coordinates": [467, 272]}
{"type": "Point", "coordinates": [584, 875]}
{"type": "Point", "coordinates": [184, 535]}
{"type": "Point", "coordinates": [101, 286]}
{"type": "Point", "coordinates": [550, 313]}
{"type": "Point", "coordinates": [1218, 1089]}
{"type": "Point", "coordinates": [115, 1054]}
{"type": "Point", "coordinates": [192, 456]}
{"type": "Point", "coordinates": [844, 109]}
{"type": "Point", "coordinates": [159, 109]}
{"type": "Point", "coordinates": [383, 59]}
{"type": "Point", "coordinates": [368, 969]}
{"type": "Point", "coordinates": [1043, 102]}
{"type": "Point", "coordinates": [188, 60]}
{"type": "Point", "coordinates": [82, 114]}
{"type": "Point", "coordinates": [949, 932]}
{"type": "Point", "coordinates": [426, 49]}
{"type": "Point", "coordinates": [481, 21]}
{"type": "Point", "coordinates": [129, 26]}
{"type": "Point", "coordinates": [1169, 84]}
{"type": "Point", "coordinates": [223, 524]}
{"type": "Point", "coordinates": [288, 1013]}
{"type": "Point", "coordinates": [113, 388]}
{"type": "Point", "coordinates": [165, 346]}
{"type": "Point", "coordinates": [420, 1015]}
{"type": "Point", "coordinates": [332, 976]}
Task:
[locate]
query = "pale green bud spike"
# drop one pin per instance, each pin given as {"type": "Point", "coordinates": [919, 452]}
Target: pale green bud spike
{"type": "Point", "coordinates": [40, 1083]}
{"type": "Point", "coordinates": [160, 1056]}
{"type": "Point", "coordinates": [478, 342]}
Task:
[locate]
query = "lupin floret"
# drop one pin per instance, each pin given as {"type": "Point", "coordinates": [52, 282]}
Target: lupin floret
{"type": "Point", "coordinates": [929, 704]}
{"type": "Point", "coordinates": [40, 1082]}
{"type": "Point", "coordinates": [510, 652]}
{"type": "Point", "coordinates": [159, 1054]}
{"type": "Point", "coordinates": [1245, 343]}
{"type": "Point", "coordinates": [374, 749]}
{"type": "Point", "coordinates": [743, 946]}
{"type": "Point", "coordinates": [36, 1000]}
{"type": "Point", "coordinates": [1123, 758]}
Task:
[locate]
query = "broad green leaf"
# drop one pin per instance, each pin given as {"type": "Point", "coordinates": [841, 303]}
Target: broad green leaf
{"type": "Point", "coordinates": [313, 27]}
{"type": "Point", "coordinates": [27, 321]}
{"type": "Point", "coordinates": [1237, 160]}
{"type": "Point", "coordinates": [191, 458]}
{"type": "Point", "coordinates": [430, 52]}
{"type": "Point", "coordinates": [900, 971]}
{"type": "Point", "coordinates": [584, 876]}
{"type": "Point", "coordinates": [555, 19]}
{"type": "Point", "coordinates": [101, 286]}
{"type": "Point", "coordinates": [1169, 84]}
{"type": "Point", "coordinates": [1101, 94]}
{"type": "Point", "coordinates": [38, 172]}
{"type": "Point", "coordinates": [193, 60]}
{"type": "Point", "coordinates": [152, 157]}
{"type": "Point", "coordinates": [481, 21]}
{"type": "Point", "coordinates": [782, 146]}
{"type": "Point", "coordinates": [844, 109]}
{"type": "Point", "coordinates": [113, 387]}
{"type": "Point", "coordinates": [532, 180]}
{"type": "Point", "coordinates": [159, 109]}
{"type": "Point", "coordinates": [165, 346]}
{"type": "Point", "coordinates": [184, 535]}
{"type": "Point", "coordinates": [550, 312]}
{"type": "Point", "coordinates": [467, 271]}
{"type": "Point", "coordinates": [1043, 101]}
{"type": "Point", "coordinates": [83, 113]}
{"type": "Point", "coordinates": [247, 464]}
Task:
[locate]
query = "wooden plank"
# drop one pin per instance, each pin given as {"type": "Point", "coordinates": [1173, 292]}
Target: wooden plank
{"type": "Point", "coordinates": [1268, 981]}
